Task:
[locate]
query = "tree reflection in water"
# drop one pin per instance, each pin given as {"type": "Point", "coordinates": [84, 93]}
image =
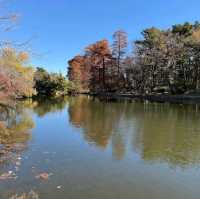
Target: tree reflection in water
{"type": "Point", "coordinates": [15, 126]}
{"type": "Point", "coordinates": [158, 132]}
{"type": "Point", "coordinates": [44, 106]}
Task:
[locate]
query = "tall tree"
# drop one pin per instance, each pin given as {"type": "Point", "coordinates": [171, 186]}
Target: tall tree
{"type": "Point", "coordinates": [100, 55]}
{"type": "Point", "coordinates": [163, 61]}
{"type": "Point", "coordinates": [119, 47]}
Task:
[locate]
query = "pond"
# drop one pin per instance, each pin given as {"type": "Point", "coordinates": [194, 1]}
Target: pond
{"type": "Point", "coordinates": [81, 148]}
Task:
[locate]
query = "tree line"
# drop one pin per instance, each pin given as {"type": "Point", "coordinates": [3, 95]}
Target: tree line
{"type": "Point", "coordinates": [163, 61]}
{"type": "Point", "coordinates": [20, 80]}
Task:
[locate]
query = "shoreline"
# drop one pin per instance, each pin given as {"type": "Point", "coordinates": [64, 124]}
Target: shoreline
{"type": "Point", "coordinates": [160, 98]}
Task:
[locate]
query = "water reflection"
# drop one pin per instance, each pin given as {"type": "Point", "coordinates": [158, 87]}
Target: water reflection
{"type": "Point", "coordinates": [158, 132]}
{"type": "Point", "coordinates": [169, 133]}
{"type": "Point", "coordinates": [92, 116]}
{"type": "Point", "coordinates": [144, 138]}
{"type": "Point", "coordinates": [42, 107]}
{"type": "Point", "coordinates": [15, 126]}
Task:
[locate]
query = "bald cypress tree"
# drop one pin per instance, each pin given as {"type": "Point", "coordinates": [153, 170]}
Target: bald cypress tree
{"type": "Point", "coordinates": [119, 47]}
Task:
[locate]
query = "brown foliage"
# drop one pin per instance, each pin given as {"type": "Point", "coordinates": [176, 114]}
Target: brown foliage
{"type": "Point", "coordinates": [91, 70]}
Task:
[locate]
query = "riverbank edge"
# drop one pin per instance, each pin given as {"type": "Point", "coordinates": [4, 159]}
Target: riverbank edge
{"type": "Point", "coordinates": [160, 98]}
{"type": "Point", "coordinates": [191, 99]}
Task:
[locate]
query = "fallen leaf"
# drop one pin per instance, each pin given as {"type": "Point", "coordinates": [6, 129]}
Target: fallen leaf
{"type": "Point", "coordinates": [43, 176]}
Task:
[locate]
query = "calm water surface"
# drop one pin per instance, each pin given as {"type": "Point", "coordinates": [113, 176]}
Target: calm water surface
{"type": "Point", "coordinates": [101, 150]}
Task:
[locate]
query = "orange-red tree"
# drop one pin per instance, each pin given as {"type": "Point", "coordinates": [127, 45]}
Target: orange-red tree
{"type": "Point", "coordinates": [79, 72]}
{"type": "Point", "coordinates": [100, 57]}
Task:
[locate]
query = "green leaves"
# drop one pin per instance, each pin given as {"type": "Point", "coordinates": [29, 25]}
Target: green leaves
{"type": "Point", "coordinates": [49, 84]}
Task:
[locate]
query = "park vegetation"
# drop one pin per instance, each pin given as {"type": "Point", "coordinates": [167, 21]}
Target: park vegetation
{"type": "Point", "coordinates": [162, 61]}
{"type": "Point", "coordinates": [18, 80]}
{"type": "Point", "coordinates": [49, 84]}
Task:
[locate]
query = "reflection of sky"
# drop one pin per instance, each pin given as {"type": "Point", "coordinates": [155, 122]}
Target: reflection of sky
{"type": "Point", "coordinates": [148, 130]}
{"type": "Point", "coordinates": [88, 171]}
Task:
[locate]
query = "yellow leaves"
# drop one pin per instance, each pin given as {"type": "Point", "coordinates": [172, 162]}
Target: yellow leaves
{"type": "Point", "coordinates": [196, 35]}
{"type": "Point", "coordinates": [11, 56]}
{"type": "Point", "coordinates": [23, 56]}
{"type": "Point", "coordinates": [13, 62]}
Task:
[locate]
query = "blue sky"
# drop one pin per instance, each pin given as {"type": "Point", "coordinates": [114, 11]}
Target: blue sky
{"type": "Point", "coordinates": [62, 28]}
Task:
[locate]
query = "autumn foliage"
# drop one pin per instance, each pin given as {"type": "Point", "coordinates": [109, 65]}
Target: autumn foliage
{"type": "Point", "coordinates": [92, 69]}
{"type": "Point", "coordinates": [163, 61]}
{"type": "Point", "coordinates": [16, 78]}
